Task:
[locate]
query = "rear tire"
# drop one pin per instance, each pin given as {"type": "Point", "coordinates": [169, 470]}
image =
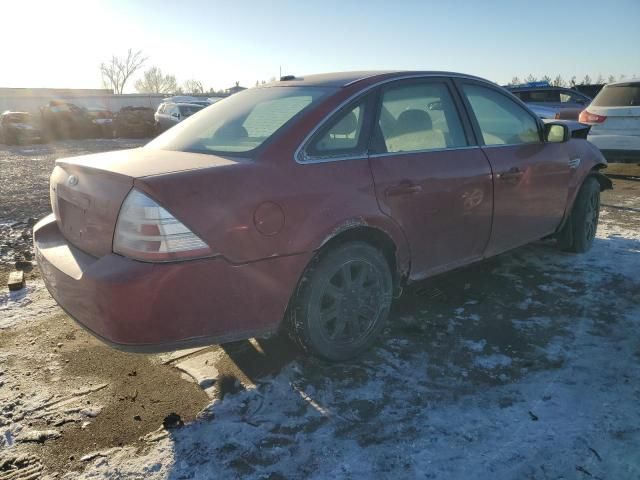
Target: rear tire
{"type": "Point", "coordinates": [342, 302]}
{"type": "Point", "coordinates": [579, 231]}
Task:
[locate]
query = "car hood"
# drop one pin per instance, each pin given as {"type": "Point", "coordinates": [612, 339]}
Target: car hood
{"type": "Point", "coordinates": [144, 162]}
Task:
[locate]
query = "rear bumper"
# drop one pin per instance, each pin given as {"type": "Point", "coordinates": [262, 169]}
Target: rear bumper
{"type": "Point", "coordinates": [617, 148]}
{"type": "Point", "coordinates": [150, 307]}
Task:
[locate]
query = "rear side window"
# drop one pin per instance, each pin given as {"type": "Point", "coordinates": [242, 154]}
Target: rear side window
{"type": "Point", "coordinates": [342, 135]}
{"type": "Point", "coordinates": [501, 120]}
{"type": "Point", "coordinates": [417, 117]}
{"type": "Point", "coordinates": [544, 96]}
{"type": "Point", "coordinates": [624, 95]}
{"type": "Point", "coordinates": [566, 97]}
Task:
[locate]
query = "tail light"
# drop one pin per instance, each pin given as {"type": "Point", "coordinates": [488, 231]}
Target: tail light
{"type": "Point", "coordinates": [146, 231]}
{"type": "Point", "coordinates": [588, 117]}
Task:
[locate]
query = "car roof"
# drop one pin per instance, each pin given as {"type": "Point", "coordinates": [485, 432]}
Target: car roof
{"type": "Point", "coordinates": [7, 113]}
{"type": "Point", "coordinates": [344, 79]}
{"type": "Point", "coordinates": [623, 82]}
{"type": "Point", "coordinates": [550, 87]}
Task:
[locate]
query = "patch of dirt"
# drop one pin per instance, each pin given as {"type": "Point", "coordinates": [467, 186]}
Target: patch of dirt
{"type": "Point", "coordinates": [58, 377]}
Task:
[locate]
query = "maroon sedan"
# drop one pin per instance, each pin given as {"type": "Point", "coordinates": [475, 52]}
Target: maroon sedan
{"type": "Point", "coordinates": [306, 204]}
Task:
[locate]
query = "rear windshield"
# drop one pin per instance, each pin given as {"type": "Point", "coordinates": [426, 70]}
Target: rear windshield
{"type": "Point", "coordinates": [625, 95]}
{"type": "Point", "coordinates": [241, 122]}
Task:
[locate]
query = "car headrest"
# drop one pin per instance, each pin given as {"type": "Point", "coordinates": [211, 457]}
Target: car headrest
{"type": "Point", "coordinates": [231, 130]}
{"type": "Point", "coordinates": [346, 126]}
{"type": "Point", "coordinates": [411, 121]}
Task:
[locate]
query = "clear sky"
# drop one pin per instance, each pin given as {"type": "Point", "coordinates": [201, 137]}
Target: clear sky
{"type": "Point", "coordinates": [60, 43]}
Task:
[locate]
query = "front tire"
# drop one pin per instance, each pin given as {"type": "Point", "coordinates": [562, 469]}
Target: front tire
{"type": "Point", "coordinates": [342, 301]}
{"type": "Point", "coordinates": [579, 231]}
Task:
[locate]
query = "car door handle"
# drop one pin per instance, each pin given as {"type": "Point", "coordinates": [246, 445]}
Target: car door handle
{"type": "Point", "coordinates": [513, 174]}
{"type": "Point", "coordinates": [403, 188]}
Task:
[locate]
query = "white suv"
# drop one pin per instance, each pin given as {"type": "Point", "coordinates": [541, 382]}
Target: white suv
{"type": "Point", "coordinates": [614, 116]}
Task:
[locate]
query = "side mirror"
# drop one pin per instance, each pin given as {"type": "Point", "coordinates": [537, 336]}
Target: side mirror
{"type": "Point", "coordinates": [556, 132]}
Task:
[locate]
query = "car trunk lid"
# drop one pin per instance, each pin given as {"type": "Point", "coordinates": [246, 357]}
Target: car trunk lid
{"type": "Point", "coordinates": [620, 120]}
{"type": "Point", "coordinates": [87, 192]}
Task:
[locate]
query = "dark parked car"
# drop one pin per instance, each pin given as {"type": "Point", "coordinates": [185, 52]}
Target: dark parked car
{"type": "Point", "coordinates": [61, 119]}
{"type": "Point", "coordinates": [19, 127]}
{"type": "Point", "coordinates": [551, 102]}
{"type": "Point", "coordinates": [170, 114]}
{"type": "Point", "coordinates": [306, 205]}
{"type": "Point", "coordinates": [102, 122]}
{"type": "Point", "coordinates": [134, 122]}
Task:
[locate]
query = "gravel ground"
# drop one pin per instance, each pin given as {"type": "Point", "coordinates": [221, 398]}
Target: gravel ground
{"type": "Point", "coordinates": [524, 366]}
{"type": "Point", "coordinates": [24, 189]}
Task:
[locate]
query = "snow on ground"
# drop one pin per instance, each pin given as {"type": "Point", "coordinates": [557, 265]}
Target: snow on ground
{"type": "Point", "coordinates": [544, 391]}
{"type": "Point", "coordinates": [29, 304]}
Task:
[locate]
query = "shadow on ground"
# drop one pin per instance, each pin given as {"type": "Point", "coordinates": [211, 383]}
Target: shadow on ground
{"type": "Point", "coordinates": [467, 337]}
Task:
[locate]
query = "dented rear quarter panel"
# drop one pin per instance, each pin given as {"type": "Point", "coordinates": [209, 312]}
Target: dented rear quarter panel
{"type": "Point", "coordinates": [317, 201]}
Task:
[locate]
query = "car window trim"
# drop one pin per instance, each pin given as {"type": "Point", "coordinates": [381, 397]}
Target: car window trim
{"type": "Point", "coordinates": [414, 152]}
{"type": "Point", "coordinates": [459, 107]}
{"type": "Point", "coordinates": [459, 83]}
{"type": "Point", "coordinates": [367, 101]}
{"type": "Point", "coordinates": [299, 152]}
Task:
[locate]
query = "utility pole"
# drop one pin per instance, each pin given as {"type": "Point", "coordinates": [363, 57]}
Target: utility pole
{"type": "Point", "coordinates": [280, 76]}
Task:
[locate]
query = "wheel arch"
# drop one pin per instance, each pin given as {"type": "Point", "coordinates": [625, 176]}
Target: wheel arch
{"type": "Point", "coordinates": [602, 179]}
{"type": "Point", "coordinates": [394, 250]}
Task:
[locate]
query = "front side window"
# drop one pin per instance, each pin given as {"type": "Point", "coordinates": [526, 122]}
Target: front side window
{"type": "Point", "coordinates": [418, 116]}
{"type": "Point", "coordinates": [241, 122]}
{"type": "Point", "coordinates": [501, 120]}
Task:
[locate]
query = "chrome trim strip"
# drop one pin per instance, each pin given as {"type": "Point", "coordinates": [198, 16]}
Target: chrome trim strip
{"type": "Point", "coordinates": [305, 159]}
{"type": "Point", "coordinates": [337, 158]}
{"type": "Point", "coordinates": [388, 154]}
{"type": "Point", "coordinates": [500, 145]}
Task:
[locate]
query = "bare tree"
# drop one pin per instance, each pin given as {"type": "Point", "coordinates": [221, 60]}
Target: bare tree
{"type": "Point", "coordinates": [547, 79]}
{"type": "Point", "coordinates": [558, 81]}
{"type": "Point", "coordinates": [117, 71]}
{"type": "Point", "coordinates": [586, 80]}
{"type": "Point", "coordinates": [193, 86]}
{"type": "Point", "coordinates": [530, 78]}
{"type": "Point", "coordinates": [515, 81]}
{"type": "Point", "coordinates": [622, 77]}
{"type": "Point", "coordinates": [154, 81]}
{"type": "Point", "coordinates": [611, 79]}
{"type": "Point", "coordinates": [599, 80]}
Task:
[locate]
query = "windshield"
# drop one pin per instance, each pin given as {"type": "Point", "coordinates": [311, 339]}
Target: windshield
{"type": "Point", "coordinates": [625, 95]}
{"type": "Point", "coordinates": [241, 122]}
